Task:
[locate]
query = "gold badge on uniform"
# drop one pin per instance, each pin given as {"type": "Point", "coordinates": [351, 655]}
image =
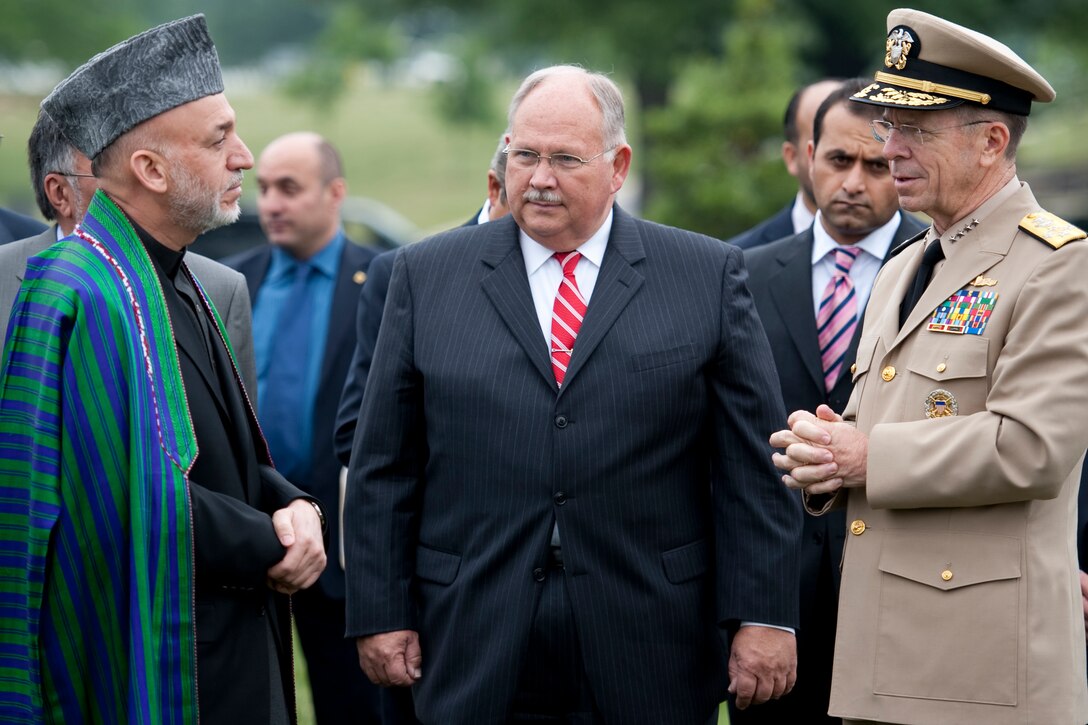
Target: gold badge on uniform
{"type": "Point", "coordinates": [359, 277]}
{"type": "Point", "coordinates": [941, 404]}
{"type": "Point", "coordinates": [965, 313]}
{"type": "Point", "coordinates": [983, 281]}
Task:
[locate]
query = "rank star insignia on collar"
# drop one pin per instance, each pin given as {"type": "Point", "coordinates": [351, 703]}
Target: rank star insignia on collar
{"type": "Point", "coordinates": [900, 41]}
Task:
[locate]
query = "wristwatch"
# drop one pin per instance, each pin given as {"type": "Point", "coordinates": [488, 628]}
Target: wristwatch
{"type": "Point", "coordinates": [320, 513]}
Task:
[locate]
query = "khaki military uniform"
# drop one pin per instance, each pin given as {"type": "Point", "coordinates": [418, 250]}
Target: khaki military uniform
{"type": "Point", "coordinates": [960, 601]}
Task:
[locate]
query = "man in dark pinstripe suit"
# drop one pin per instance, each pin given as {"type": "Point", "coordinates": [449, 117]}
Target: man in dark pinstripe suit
{"type": "Point", "coordinates": [592, 538]}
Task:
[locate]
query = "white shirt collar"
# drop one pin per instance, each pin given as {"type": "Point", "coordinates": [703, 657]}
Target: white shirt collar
{"type": "Point", "coordinates": [485, 212]}
{"type": "Point", "coordinates": [876, 243]}
{"type": "Point", "coordinates": [800, 215]}
{"type": "Point", "coordinates": [536, 254]}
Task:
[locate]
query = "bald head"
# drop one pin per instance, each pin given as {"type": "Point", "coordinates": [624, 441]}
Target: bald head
{"type": "Point", "coordinates": [301, 186]}
{"type": "Point", "coordinates": [800, 115]}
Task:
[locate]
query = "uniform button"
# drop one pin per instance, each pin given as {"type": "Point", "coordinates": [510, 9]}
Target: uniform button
{"type": "Point", "coordinates": [560, 421]}
{"type": "Point", "coordinates": [857, 527]}
{"type": "Point", "coordinates": [941, 368]}
{"type": "Point", "coordinates": [887, 373]}
{"type": "Point", "coordinates": [560, 498]}
{"type": "Point", "coordinates": [946, 575]}
{"type": "Point", "coordinates": [538, 574]}
{"type": "Point", "coordinates": [853, 368]}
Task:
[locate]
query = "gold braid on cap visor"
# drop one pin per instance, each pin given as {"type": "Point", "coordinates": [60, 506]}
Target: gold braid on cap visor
{"type": "Point", "coordinates": [931, 87]}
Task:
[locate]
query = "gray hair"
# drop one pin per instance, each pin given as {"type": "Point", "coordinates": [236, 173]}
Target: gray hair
{"type": "Point", "coordinates": [48, 152]}
{"type": "Point", "coordinates": [607, 94]}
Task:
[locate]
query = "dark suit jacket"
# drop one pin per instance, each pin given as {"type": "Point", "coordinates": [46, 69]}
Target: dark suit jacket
{"type": "Point", "coordinates": [653, 459]}
{"type": "Point", "coordinates": [772, 228]}
{"type": "Point", "coordinates": [16, 226]}
{"type": "Point", "coordinates": [323, 480]}
{"type": "Point", "coordinates": [781, 284]}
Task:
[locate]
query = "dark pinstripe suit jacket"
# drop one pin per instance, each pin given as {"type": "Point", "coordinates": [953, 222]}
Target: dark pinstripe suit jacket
{"type": "Point", "coordinates": [653, 458]}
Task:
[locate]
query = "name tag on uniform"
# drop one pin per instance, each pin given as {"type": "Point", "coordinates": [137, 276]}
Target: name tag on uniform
{"type": "Point", "coordinates": [965, 313]}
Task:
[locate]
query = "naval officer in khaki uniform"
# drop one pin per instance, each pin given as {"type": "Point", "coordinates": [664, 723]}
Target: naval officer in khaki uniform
{"type": "Point", "coordinates": [959, 453]}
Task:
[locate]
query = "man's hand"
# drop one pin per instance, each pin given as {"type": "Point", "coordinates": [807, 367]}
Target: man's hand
{"type": "Point", "coordinates": [822, 453]}
{"type": "Point", "coordinates": [299, 529]}
{"type": "Point", "coordinates": [1084, 598]}
{"type": "Point", "coordinates": [391, 658]}
{"type": "Point", "coordinates": [762, 664]}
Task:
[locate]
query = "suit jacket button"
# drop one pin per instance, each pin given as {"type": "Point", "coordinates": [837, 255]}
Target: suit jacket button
{"type": "Point", "coordinates": [560, 421]}
{"type": "Point", "coordinates": [888, 373]}
{"type": "Point", "coordinates": [560, 498]}
{"type": "Point", "coordinates": [538, 574]}
{"type": "Point", "coordinates": [857, 527]}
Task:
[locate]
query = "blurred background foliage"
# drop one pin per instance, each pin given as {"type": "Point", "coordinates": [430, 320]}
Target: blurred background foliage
{"type": "Point", "coordinates": [414, 92]}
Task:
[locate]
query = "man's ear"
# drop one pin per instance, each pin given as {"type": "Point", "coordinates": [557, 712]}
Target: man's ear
{"type": "Point", "coordinates": [150, 170]}
{"type": "Point", "coordinates": [59, 194]}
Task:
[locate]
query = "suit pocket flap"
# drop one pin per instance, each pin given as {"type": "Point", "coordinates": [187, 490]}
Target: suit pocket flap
{"type": "Point", "coordinates": [963, 357]}
{"type": "Point", "coordinates": [661, 358]}
{"type": "Point", "coordinates": [686, 562]}
{"type": "Point", "coordinates": [864, 357]}
{"type": "Point", "coordinates": [437, 566]}
{"type": "Point", "coordinates": [950, 560]}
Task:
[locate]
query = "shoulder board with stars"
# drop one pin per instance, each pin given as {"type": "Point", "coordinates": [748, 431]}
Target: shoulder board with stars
{"type": "Point", "coordinates": [919, 236]}
{"type": "Point", "coordinates": [1051, 228]}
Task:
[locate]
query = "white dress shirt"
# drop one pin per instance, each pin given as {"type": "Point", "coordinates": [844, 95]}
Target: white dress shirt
{"type": "Point", "coordinates": [863, 272]}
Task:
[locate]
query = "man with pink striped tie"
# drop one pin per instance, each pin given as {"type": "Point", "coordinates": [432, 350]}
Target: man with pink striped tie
{"type": "Point", "coordinates": [836, 260]}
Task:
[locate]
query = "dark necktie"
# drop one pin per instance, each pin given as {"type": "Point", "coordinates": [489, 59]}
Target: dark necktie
{"type": "Point", "coordinates": [284, 407]}
{"type": "Point", "coordinates": [933, 254]}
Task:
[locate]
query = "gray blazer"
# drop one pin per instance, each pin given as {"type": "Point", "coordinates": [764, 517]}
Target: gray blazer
{"type": "Point", "coordinates": [226, 288]}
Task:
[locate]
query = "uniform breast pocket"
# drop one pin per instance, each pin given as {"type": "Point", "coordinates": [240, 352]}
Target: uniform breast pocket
{"type": "Point", "coordinates": [949, 617]}
{"type": "Point", "coordinates": [950, 375]}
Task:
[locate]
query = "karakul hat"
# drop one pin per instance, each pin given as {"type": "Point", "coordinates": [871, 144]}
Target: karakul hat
{"type": "Point", "coordinates": [135, 80]}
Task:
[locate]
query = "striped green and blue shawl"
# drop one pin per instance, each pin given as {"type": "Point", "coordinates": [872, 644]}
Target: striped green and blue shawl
{"type": "Point", "coordinates": [96, 559]}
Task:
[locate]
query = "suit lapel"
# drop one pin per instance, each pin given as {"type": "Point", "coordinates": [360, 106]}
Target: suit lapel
{"type": "Point", "coordinates": [617, 283]}
{"type": "Point", "coordinates": [793, 281]}
{"type": "Point", "coordinates": [507, 287]}
{"type": "Point", "coordinates": [350, 277]}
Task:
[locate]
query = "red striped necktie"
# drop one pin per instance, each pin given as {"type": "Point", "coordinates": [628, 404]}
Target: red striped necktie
{"type": "Point", "coordinates": [567, 314]}
{"type": "Point", "coordinates": [837, 317]}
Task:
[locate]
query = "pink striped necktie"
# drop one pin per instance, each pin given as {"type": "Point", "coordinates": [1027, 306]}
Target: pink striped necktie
{"type": "Point", "coordinates": [567, 314]}
{"type": "Point", "coordinates": [837, 317]}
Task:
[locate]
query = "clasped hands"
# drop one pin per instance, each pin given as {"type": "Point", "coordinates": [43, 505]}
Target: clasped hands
{"type": "Point", "coordinates": [820, 453]}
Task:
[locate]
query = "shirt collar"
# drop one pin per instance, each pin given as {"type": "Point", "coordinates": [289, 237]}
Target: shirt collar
{"type": "Point", "coordinates": [485, 212]}
{"type": "Point", "coordinates": [800, 216]}
{"type": "Point", "coordinates": [167, 259]}
{"type": "Point", "coordinates": [876, 243]}
{"type": "Point", "coordinates": [326, 261]}
{"type": "Point", "coordinates": [536, 254]}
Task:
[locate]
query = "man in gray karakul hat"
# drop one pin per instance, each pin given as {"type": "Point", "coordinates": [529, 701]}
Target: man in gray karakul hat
{"type": "Point", "coordinates": [147, 547]}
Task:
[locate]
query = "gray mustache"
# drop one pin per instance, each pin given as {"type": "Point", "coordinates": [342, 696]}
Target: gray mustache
{"type": "Point", "coordinates": [548, 197]}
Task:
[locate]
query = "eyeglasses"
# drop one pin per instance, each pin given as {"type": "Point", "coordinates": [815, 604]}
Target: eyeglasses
{"type": "Point", "coordinates": [79, 176]}
{"type": "Point", "coordinates": [527, 159]}
{"type": "Point", "coordinates": [882, 131]}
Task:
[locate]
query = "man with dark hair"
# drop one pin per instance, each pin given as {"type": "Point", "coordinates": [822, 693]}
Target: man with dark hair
{"type": "Point", "coordinates": [305, 286]}
{"type": "Point", "coordinates": [796, 216]}
{"type": "Point", "coordinates": [147, 547]}
{"type": "Point", "coordinates": [959, 454]}
{"type": "Point", "coordinates": [63, 186]}
{"type": "Point", "coordinates": [833, 262]}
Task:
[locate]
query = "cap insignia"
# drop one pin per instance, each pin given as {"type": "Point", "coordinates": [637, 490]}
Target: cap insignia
{"type": "Point", "coordinates": [898, 48]}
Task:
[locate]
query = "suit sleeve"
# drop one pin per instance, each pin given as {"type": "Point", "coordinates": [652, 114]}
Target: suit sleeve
{"type": "Point", "coordinates": [382, 489]}
{"type": "Point", "coordinates": [1033, 429]}
{"type": "Point", "coordinates": [239, 320]}
{"type": "Point", "coordinates": [758, 519]}
{"type": "Point", "coordinates": [368, 318]}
